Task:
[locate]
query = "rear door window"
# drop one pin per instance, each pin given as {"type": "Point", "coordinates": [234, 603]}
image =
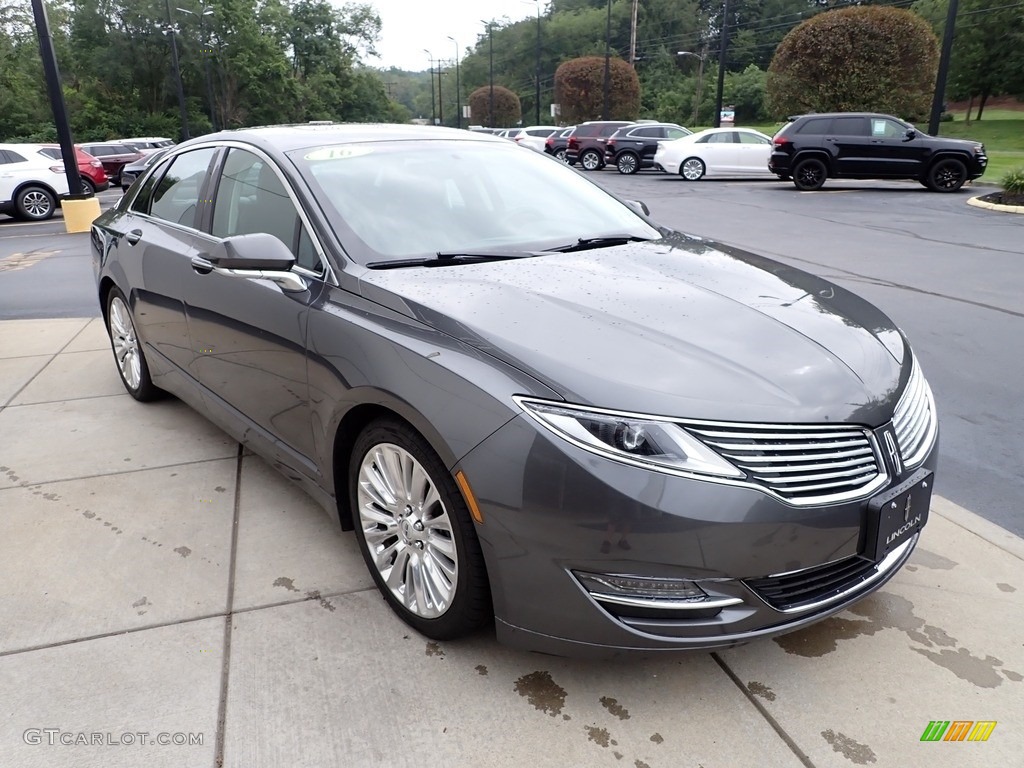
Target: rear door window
{"type": "Point", "coordinates": [849, 126]}
{"type": "Point", "coordinates": [816, 126]}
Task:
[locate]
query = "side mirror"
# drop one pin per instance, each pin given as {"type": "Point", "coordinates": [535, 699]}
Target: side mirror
{"type": "Point", "coordinates": [638, 207]}
{"type": "Point", "coordinates": [910, 134]}
{"type": "Point", "coordinates": [255, 251]}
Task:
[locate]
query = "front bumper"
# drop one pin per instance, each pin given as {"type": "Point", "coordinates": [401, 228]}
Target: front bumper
{"type": "Point", "coordinates": [552, 510]}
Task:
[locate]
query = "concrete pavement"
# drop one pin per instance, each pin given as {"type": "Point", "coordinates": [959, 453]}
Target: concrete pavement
{"type": "Point", "coordinates": [157, 580]}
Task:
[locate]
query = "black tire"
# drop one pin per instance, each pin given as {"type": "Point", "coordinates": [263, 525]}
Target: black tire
{"type": "Point", "coordinates": [88, 188]}
{"type": "Point", "coordinates": [692, 169]}
{"type": "Point", "coordinates": [124, 342]}
{"type": "Point", "coordinates": [560, 156]}
{"type": "Point", "coordinates": [947, 174]}
{"type": "Point", "coordinates": [627, 163]}
{"type": "Point", "coordinates": [809, 174]}
{"type": "Point", "coordinates": [591, 160]}
{"type": "Point", "coordinates": [35, 203]}
{"type": "Point", "coordinates": [468, 604]}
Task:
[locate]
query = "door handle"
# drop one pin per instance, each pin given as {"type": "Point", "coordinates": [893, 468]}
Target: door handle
{"type": "Point", "coordinates": [134, 236]}
{"type": "Point", "coordinates": [201, 265]}
{"type": "Point", "coordinates": [877, 141]}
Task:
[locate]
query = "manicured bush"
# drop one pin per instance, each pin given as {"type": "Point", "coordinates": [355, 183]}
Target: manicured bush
{"type": "Point", "coordinates": [579, 89]}
{"type": "Point", "coordinates": [507, 109]}
{"type": "Point", "coordinates": [871, 58]}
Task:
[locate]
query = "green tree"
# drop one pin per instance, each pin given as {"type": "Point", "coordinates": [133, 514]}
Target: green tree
{"type": "Point", "coordinates": [579, 89]}
{"type": "Point", "coordinates": [862, 58]}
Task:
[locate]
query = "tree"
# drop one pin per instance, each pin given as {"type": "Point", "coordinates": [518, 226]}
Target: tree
{"type": "Point", "coordinates": [507, 109]}
{"type": "Point", "coordinates": [579, 89]}
{"type": "Point", "coordinates": [871, 58]}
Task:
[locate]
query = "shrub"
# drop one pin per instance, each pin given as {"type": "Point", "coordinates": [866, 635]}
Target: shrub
{"type": "Point", "coordinates": [507, 109]}
{"type": "Point", "coordinates": [579, 89]}
{"type": "Point", "coordinates": [1013, 182]}
{"type": "Point", "coordinates": [872, 58]}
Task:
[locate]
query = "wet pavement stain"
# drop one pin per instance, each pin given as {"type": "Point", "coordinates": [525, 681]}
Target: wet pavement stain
{"type": "Point", "coordinates": [613, 706]}
{"type": "Point", "coordinates": [938, 636]}
{"type": "Point", "coordinates": [657, 738]}
{"type": "Point", "coordinates": [1004, 587]}
{"type": "Point", "coordinates": [823, 637]}
{"type": "Point", "coordinates": [183, 551]}
{"type": "Point", "coordinates": [283, 581]}
{"type": "Point", "coordinates": [618, 755]}
{"type": "Point", "coordinates": [762, 690]}
{"type": "Point", "coordinates": [1014, 676]}
{"type": "Point", "coordinates": [640, 764]}
{"type": "Point", "coordinates": [541, 691]}
{"type": "Point", "coordinates": [324, 602]}
{"type": "Point", "coordinates": [141, 603]}
{"type": "Point", "coordinates": [220, 489]}
{"type": "Point", "coordinates": [932, 560]}
{"type": "Point", "coordinates": [481, 669]}
{"type": "Point", "coordinates": [852, 750]}
{"type": "Point", "coordinates": [433, 649]}
{"type": "Point", "coordinates": [966, 666]}
{"type": "Point", "coordinates": [597, 735]}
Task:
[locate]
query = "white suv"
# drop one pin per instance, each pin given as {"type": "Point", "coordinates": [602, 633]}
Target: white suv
{"type": "Point", "coordinates": [533, 136]}
{"type": "Point", "coordinates": [30, 182]}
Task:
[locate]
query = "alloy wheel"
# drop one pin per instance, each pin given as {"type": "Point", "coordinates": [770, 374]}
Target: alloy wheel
{"type": "Point", "coordinates": [693, 169]}
{"type": "Point", "coordinates": [627, 163]}
{"type": "Point", "coordinates": [37, 204]}
{"type": "Point", "coordinates": [949, 176]}
{"type": "Point", "coordinates": [590, 161]}
{"type": "Point", "coordinates": [408, 530]}
{"type": "Point", "coordinates": [126, 343]}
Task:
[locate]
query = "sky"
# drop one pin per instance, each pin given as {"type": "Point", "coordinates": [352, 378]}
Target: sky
{"type": "Point", "coordinates": [409, 26]}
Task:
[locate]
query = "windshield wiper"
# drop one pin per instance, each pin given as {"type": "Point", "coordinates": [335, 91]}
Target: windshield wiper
{"type": "Point", "coordinates": [445, 259]}
{"type": "Point", "coordinates": [604, 241]}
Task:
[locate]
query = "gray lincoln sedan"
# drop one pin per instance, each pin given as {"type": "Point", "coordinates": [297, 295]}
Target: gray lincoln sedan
{"type": "Point", "coordinates": [533, 405]}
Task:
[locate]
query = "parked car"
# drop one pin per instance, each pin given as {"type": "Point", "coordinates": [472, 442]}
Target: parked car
{"type": "Point", "coordinates": [716, 152]}
{"type": "Point", "coordinates": [148, 144]}
{"type": "Point", "coordinates": [555, 144]}
{"type": "Point", "coordinates": [632, 147]}
{"type": "Point", "coordinates": [586, 143]}
{"type": "Point", "coordinates": [133, 170]}
{"type": "Point", "coordinates": [531, 403]}
{"type": "Point", "coordinates": [31, 184]}
{"type": "Point", "coordinates": [858, 145]}
{"type": "Point", "coordinates": [114, 156]}
{"type": "Point", "coordinates": [94, 178]}
{"type": "Point", "coordinates": [534, 136]}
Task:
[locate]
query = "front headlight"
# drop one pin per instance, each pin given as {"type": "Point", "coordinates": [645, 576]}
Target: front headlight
{"type": "Point", "coordinates": [645, 441]}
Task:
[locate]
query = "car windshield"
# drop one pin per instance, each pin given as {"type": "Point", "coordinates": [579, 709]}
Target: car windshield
{"type": "Point", "coordinates": [408, 199]}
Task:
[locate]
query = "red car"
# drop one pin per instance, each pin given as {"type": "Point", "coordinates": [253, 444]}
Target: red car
{"type": "Point", "coordinates": [94, 178]}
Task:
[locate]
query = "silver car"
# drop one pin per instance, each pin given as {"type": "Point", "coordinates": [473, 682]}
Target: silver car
{"type": "Point", "coordinates": [533, 405]}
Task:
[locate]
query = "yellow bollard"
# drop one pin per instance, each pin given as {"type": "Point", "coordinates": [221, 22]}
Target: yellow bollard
{"type": "Point", "coordinates": [79, 214]}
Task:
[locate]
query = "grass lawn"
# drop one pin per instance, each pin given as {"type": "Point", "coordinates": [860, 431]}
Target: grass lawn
{"type": "Point", "coordinates": [1000, 130]}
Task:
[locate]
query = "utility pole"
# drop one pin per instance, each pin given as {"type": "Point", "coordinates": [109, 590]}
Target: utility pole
{"type": "Point", "coordinates": [607, 65]}
{"type": "Point", "coordinates": [433, 106]}
{"type": "Point", "coordinates": [207, 51]}
{"type": "Point", "coordinates": [632, 34]}
{"type": "Point", "coordinates": [940, 81]}
{"type": "Point", "coordinates": [177, 72]}
{"type": "Point", "coordinates": [490, 56]}
{"type": "Point", "coordinates": [458, 86]}
{"type": "Point", "coordinates": [536, 74]}
{"type": "Point", "coordinates": [440, 100]}
{"type": "Point", "coordinates": [721, 63]}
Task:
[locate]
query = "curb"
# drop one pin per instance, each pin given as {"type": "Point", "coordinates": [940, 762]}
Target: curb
{"type": "Point", "coordinates": [977, 202]}
{"type": "Point", "coordinates": [994, 534]}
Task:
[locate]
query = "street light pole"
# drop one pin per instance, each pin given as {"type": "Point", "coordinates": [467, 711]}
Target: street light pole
{"type": "Point", "coordinates": [440, 100]}
{"type": "Point", "coordinates": [721, 63]}
{"type": "Point", "coordinates": [700, 80]}
{"type": "Point", "coordinates": [490, 56]}
{"type": "Point", "coordinates": [458, 86]}
{"type": "Point", "coordinates": [177, 72]}
{"type": "Point", "coordinates": [607, 64]}
{"type": "Point", "coordinates": [940, 80]}
{"type": "Point", "coordinates": [433, 106]}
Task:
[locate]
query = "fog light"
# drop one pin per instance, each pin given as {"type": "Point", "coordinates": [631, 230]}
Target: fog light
{"type": "Point", "coordinates": [635, 590]}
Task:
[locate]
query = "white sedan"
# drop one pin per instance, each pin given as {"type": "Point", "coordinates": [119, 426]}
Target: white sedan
{"type": "Point", "coordinates": [716, 152]}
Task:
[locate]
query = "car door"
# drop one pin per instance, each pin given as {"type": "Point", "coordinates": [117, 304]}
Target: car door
{"type": "Point", "coordinates": [895, 154]}
{"type": "Point", "coordinates": [7, 176]}
{"type": "Point", "coordinates": [720, 152]}
{"type": "Point", "coordinates": [250, 333]}
{"type": "Point", "coordinates": [155, 239]}
{"type": "Point", "coordinates": [753, 154]}
{"type": "Point", "coordinates": [853, 149]}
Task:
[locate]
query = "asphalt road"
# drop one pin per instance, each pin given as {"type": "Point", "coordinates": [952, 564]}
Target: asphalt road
{"type": "Point", "coordinates": [950, 275]}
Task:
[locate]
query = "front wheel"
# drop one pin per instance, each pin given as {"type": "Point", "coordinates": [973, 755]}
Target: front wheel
{"type": "Point", "coordinates": [415, 532]}
{"type": "Point", "coordinates": [590, 160]}
{"type": "Point", "coordinates": [627, 163]}
{"type": "Point", "coordinates": [947, 175]}
{"type": "Point", "coordinates": [692, 169]}
{"type": "Point", "coordinates": [809, 174]}
{"type": "Point", "coordinates": [131, 363]}
{"type": "Point", "coordinates": [35, 203]}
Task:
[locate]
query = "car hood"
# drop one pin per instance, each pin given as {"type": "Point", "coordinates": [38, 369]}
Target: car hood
{"type": "Point", "coordinates": [680, 326]}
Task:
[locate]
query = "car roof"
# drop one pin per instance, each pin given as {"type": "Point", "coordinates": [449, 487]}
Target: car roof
{"type": "Point", "coordinates": [285, 138]}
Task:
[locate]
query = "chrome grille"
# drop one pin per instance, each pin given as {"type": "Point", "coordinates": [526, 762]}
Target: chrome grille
{"type": "Point", "coordinates": [914, 419]}
{"type": "Point", "coordinates": [801, 463]}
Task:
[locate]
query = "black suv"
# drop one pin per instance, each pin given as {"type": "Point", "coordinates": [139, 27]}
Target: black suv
{"type": "Point", "coordinates": [858, 145]}
{"type": "Point", "coordinates": [586, 143]}
{"type": "Point", "coordinates": [631, 148]}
